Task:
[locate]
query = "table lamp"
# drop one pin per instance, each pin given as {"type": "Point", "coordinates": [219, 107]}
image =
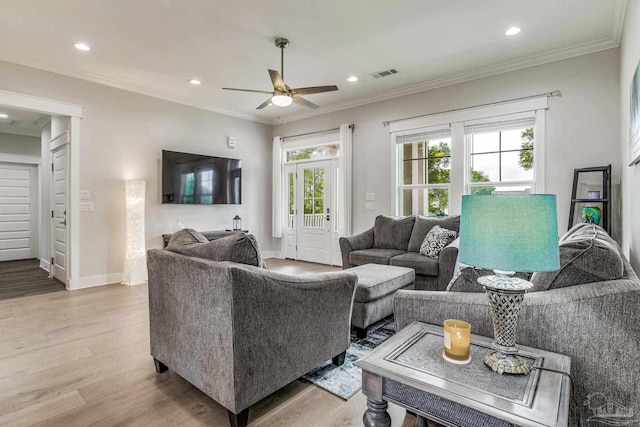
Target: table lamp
{"type": "Point", "coordinates": [508, 233]}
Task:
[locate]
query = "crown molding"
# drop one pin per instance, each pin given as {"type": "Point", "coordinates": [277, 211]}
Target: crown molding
{"type": "Point", "coordinates": [505, 67]}
{"type": "Point", "coordinates": [135, 88]}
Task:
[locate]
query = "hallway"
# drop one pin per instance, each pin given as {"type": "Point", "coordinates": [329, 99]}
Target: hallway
{"type": "Point", "coordinates": [23, 278]}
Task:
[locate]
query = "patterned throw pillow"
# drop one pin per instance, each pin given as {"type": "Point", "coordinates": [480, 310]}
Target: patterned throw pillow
{"type": "Point", "coordinates": [435, 241]}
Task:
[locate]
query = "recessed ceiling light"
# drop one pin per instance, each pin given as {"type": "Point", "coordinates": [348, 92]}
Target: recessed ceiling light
{"type": "Point", "coordinates": [3, 116]}
{"type": "Point", "coordinates": [82, 46]}
{"type": "Point", "coordinates": [353, 79]}
{"type": "Point", "coordinates": [512, 31]}
{"type": "Point", "coordinates": [195, 82]}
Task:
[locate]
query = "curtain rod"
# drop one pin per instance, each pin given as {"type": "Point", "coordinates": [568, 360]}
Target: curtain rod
{"type": "Point", "coordinates": [547, 94]}
{"type": "Point", "coordinates": [315, 133]}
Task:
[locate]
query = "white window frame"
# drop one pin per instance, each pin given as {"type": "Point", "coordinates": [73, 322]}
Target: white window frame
{"type": "Point", "coordinates": [460, 163]}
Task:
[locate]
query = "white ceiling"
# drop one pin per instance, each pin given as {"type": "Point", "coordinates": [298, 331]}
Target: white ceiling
{"type": "Point", "coordinates": [154, 46]}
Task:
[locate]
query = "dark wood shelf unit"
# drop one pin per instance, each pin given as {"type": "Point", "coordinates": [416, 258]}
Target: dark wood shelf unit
{"type": "Point", "coordinates": [605, 193]}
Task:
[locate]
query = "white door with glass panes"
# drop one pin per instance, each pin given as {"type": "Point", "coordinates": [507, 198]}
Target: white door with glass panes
{"type": "Point", "coordinates": [314, 211]}
{"type": "Point", "coordinates": [311, 219]}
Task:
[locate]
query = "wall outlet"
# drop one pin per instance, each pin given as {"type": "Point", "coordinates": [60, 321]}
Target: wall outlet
{"type": "Point", "coordinates": [85, 195]}
{"type": "Point", "coordinates": [86, 207]}
{"type": "Point", "coordinates": [369, 206]}
{"type": "Point", "coordinates": [369, 196]}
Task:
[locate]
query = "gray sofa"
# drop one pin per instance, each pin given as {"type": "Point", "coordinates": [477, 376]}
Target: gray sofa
{"type": "Point", "coordinates": [594, 323]}
{"type": "Point", "coordinates": [239, 332]}
{"type": "Point", "coordinates": [396, 241]}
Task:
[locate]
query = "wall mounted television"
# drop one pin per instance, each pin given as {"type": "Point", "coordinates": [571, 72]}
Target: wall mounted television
{"type": "Point", "coordinates": [194, 179]}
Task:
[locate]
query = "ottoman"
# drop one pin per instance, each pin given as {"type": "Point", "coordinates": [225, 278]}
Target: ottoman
{"type": "Point", "coordinates": [376, 287]}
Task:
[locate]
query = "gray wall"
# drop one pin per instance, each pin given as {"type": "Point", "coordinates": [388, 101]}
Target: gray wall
{"type": "Point", "coordinates": [19, 144]}
{"type": "Point", "coordinates": [121, 137]}
{"type": "Point", "coordinates": [629, 58]}
{"type": "Point", "coordinates": [582, 126]}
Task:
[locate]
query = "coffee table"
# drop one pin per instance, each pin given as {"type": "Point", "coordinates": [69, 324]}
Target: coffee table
{"type": "Point", "coordinates": [408, 369]}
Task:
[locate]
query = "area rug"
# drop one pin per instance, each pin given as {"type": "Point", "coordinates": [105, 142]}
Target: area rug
{"type": "Point", "coordinates": [346, 380]}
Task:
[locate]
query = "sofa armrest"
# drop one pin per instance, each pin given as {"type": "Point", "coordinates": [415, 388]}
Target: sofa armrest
{"type": "Point", "coordinates": [284, 326]}
{"type": "Point", "coordinates": [446, 264]}
{"type": "Point", "coordinates": [353, 243]}
{"type": "Point", "coordinates": [595, 324]}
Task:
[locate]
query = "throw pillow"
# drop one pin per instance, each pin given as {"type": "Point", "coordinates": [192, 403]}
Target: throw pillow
{"type": "Point", "coordinates": [390, 232]}
{"type": "Point", "coordinates": [435, 241]}
{"type": "Point", "coordinates": [238, 247]}
{"type": "Point", "coordinates": [185, 237]}
{"type": "Point", "coordinates": [587, 254]}
{"type": "Point", "coordinates": [426, 223]}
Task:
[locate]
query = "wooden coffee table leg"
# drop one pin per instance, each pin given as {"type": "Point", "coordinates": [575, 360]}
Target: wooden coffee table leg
{"type": "Point", "coordinates": [376, 414]}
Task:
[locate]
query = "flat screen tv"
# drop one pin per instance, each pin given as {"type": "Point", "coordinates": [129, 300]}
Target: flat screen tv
{"type": "Point", "coordinates": [194, 179]}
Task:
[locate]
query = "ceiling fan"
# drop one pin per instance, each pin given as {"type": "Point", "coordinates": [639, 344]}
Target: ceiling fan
{"type": "Point", "coordinates": [283, 95]}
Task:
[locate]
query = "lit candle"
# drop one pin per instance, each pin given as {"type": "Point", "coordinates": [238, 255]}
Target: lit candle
{"type": "Point", "coordinates": [457, 340]}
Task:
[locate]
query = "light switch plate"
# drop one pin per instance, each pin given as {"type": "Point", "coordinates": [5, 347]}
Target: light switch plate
{"type": "Point", "coordinates": [86, 207]}
{"type": "Point", "coordinates": [369, 196]}
{"type": "Point", "coordinates": [369, 206]}
{"type": "Point", "coordinates": [85, 195]}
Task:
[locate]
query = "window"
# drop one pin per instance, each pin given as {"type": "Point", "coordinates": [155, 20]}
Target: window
{"type": "Point", "coordinates": [501, 159]}
{"type": "Point", "coordinates": [492, 149]}
{"type": "Point", "coordinates": [313, 153]}
{"type": "Point", "coordinates": [426, 170]}
{"type": "Point", "coordinates": [313, 198]}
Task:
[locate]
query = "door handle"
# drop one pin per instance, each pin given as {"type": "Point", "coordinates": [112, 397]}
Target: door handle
{"type": "Point", "coordinates": [64, 222]}
{"type": "Point", "coordinates": [328, 218]}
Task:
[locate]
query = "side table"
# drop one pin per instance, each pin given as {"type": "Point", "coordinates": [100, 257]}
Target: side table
{"type": "Point", "coordinates": [408, 369]}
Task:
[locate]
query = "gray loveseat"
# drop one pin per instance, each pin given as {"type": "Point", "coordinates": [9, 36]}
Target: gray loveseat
{"type": "Point", "coordinates": [396, 241]}
{"type": "Point", "coordinates": [239, 332]}
{"type": "Point", "coordinates": [595, 323]}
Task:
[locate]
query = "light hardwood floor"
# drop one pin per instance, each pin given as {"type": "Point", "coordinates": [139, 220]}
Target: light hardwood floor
{"type": "Point", "coordinates": [82, 358]}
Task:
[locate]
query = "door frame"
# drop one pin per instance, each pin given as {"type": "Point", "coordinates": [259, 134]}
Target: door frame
{"type": "Point", "coordinates": [74, 112]}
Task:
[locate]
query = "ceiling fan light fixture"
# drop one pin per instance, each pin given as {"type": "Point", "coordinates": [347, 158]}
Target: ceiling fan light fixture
{"type": "Point", "coordinates": [281, 100]}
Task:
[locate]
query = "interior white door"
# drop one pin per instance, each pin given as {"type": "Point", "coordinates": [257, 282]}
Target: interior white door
{"type": "Point", "coordinates": [18, 211]}
{"type": "Point", "coordinates": [60, 208]}
{"type": "Point", "coordinates": [313, 213]}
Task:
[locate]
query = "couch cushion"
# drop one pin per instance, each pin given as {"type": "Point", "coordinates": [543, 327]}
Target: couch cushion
{"type": "Point", "coordinates": [377, 281]}
{"type": "Point", "coordinates": [373, 256]}
{"type": "Point", "coordinates": [185, 237]}
{"type": "Point", "coordinates": [425, 223]}
{"type": "Point", "coordinates": [238, 247]}
{"type": "Point", "coordinates": [423, 265]}
{"type": "Point", "coordinates": [390, 232]}
{"type": "Point", "coordinates": [435, 241]}
{"type": "Point", "coordinates": [587, 254]}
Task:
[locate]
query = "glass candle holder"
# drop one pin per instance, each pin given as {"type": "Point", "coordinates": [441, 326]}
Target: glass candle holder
{"type": "Point", "coordinates": [457, 341]}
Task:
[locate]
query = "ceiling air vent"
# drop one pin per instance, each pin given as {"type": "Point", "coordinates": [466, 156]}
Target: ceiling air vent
{"type": "Point", "coordinates": [384, 73]}
{"type": "Point", "coordinates": [7, 121]}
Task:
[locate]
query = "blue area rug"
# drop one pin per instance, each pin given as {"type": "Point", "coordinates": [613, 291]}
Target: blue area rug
{"type": "Point", "coordinates": [346, 380]}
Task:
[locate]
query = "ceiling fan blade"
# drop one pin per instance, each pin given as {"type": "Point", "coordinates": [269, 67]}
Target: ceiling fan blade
{"type": "Point", "coordinates": [264, 104]}
{"type": "Point", "coordinates": [277, 81]}
{"type": "Point", "coordinates": [301, 101]}
{"type": "Point", "coordinates": [247, 90]}
{"type": "Point", "coordinates": [314, 89]}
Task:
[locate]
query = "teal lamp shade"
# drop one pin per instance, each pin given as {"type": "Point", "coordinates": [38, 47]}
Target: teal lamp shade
{"type": "Point", "coordinates": [510, 232]}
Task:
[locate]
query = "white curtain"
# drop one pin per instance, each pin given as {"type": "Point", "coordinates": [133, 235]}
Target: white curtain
{"type": "Point", "coordinates": [276, 186]}
{"type": "Point", "coordinates": [344, 165]}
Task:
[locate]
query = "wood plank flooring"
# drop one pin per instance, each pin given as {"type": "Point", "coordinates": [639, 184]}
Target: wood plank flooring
{"type": "Point", "coordinates": [25, 277]}
{"type": "Point", "coordinates": [82, 358]}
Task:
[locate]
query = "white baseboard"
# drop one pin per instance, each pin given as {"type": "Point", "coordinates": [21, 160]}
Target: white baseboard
{"type": "Point", "coordinates": [97, 280]}
{"type": "Point", "coordinates": [45, 265]}
{"type": "Point", "coordinates": [272, 254]}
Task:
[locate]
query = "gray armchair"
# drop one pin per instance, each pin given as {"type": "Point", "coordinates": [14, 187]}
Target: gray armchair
{"type": "Point", "coordinates": [239, 332]}
{"type": "Point", "coordinates": [596, 324]}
